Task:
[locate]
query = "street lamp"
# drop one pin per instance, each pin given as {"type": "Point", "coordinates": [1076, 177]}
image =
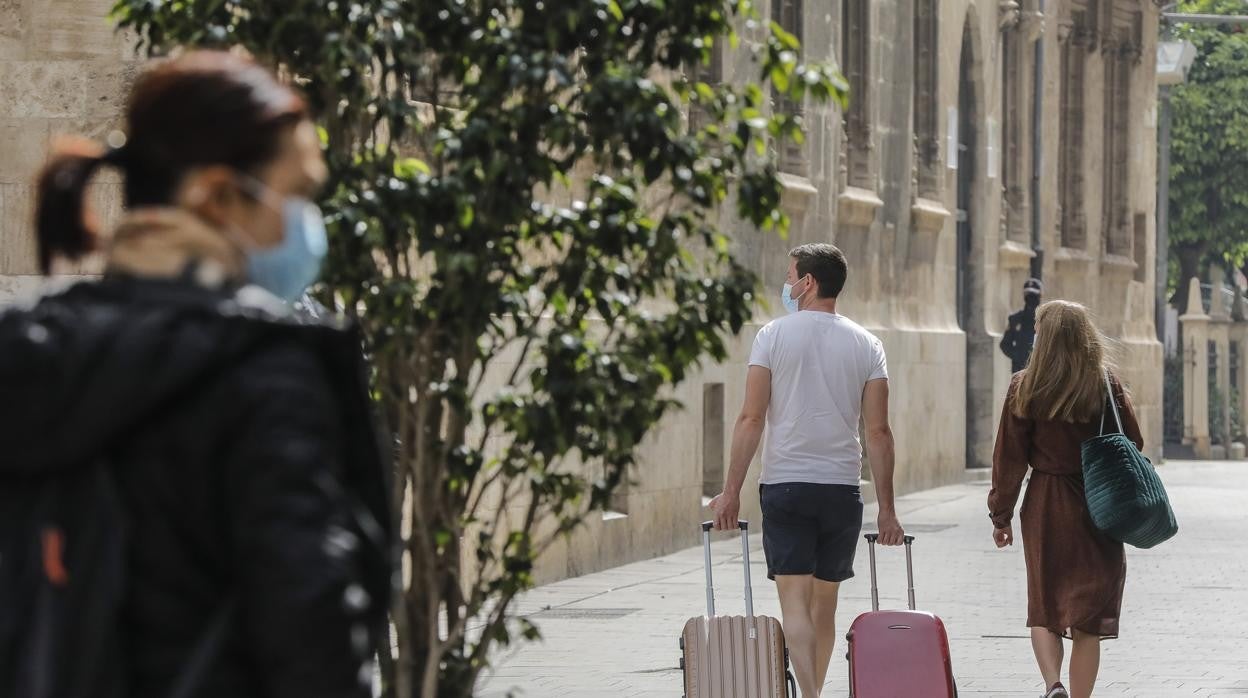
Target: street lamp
{"type": "Point", "coordinates": [1174, 58]}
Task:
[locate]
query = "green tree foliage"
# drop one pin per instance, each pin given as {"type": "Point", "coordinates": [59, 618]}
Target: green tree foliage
{"type": "Point", "coordinates": [522, 349]}
{"type": "Point", "coordinates": [1209, 149]}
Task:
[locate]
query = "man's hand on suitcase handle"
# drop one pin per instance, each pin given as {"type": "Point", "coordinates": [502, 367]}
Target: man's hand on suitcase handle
{"type": "Point", "coordinates": [890, 529]}
{"type": "Point", "coordinates": [725, 506]}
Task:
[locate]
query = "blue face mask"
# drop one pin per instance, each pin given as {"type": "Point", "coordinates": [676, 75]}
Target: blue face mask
{"type": "Point", "coordinates": [288, 269]}
{"type": "Point", "coordinates": [790, 303]}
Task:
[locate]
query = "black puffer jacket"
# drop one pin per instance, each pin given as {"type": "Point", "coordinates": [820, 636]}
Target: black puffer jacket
{"type": "Point", "coordinates": [248, 465]}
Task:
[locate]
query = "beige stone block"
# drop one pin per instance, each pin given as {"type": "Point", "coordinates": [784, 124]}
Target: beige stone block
{"type": "Point", "coordinates": [108, 89]}
{"type": "Point", "coordinates": [14, 24]}
{"type": "Point", "coordinates": [23, 147]}
{"type": "Point", "coordinates": [17, 238]}
{"type": "Point", "coordinates": [41, 89]}
{"type": "Point", "coordinates": [74, 30]}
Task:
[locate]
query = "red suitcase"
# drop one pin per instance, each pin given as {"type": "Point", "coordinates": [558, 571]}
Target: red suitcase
{"type": "Point", "coordinates": [898, 654]}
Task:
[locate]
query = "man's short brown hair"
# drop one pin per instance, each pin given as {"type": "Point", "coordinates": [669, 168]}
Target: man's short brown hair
{"type": "Point", "coordinates": [826, 263]}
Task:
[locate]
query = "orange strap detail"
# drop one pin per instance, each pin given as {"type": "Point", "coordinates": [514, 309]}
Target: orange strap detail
{"type": "Point", "coordinates": [54, 557]}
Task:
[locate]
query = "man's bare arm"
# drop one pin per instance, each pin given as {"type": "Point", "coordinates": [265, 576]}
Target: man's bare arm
{"type": "Point", "coordinates": [880, 451]}
{"type": "Point", "coordinates": [745, 438]}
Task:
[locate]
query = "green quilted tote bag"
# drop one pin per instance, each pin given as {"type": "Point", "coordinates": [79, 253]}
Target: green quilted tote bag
{"type": "Point", "coordinates": [1125, 496]}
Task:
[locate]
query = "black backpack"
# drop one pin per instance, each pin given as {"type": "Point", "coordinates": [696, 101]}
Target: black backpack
{"type": "Point", "coordinates": [63, 563]}
{"type": "Point", "coordinates": [62, 581]}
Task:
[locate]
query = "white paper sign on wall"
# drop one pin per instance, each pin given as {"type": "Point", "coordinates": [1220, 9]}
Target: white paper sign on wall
{"type": "Point", "coordinates": [951, 139]}
{"type": "Point", "coordinates": [994, 149]}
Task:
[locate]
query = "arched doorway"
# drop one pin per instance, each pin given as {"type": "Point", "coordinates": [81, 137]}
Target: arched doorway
{"type": "Point", "coordinates": [971, 284]}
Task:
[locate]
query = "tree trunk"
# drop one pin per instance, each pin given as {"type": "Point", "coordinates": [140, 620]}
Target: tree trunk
{"type": "Point", "coordinates": [1189, 267]}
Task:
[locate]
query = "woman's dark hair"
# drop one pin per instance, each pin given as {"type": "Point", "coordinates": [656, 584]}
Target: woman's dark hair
{"type": "Point", "coordinates": [203, 108]}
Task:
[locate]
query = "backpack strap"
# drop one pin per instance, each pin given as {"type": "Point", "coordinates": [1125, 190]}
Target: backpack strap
{"type": "Point", "coordinates": [206, 651]}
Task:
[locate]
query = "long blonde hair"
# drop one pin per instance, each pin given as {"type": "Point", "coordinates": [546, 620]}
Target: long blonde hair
{"type": "Point", "coordinates": [1062, 381]}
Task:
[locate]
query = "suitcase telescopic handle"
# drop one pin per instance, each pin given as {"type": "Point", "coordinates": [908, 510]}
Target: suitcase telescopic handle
{"type": "Point", "coordinates": [872, 538]}
{"type": "Point", "coordinates": [745, 556]}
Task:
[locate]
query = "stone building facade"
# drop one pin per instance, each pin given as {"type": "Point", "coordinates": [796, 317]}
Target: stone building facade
{"type": "Point", "coordinates": [986, 141]}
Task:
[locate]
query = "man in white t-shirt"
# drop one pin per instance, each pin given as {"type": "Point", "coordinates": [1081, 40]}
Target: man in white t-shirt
{"type": "Point", "coordinates": [812, 375]}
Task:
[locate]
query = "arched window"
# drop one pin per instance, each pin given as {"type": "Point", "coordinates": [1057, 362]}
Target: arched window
{"type": "Point", "coordinates": [792, 155]}
{"type": "Point", "coordinates": [928, 176]}
{"type": "Point", "coordinates": [1014, 160]}
{"type": "Point", "coordinates": [1077, 37]}
{"type": "Point", "coordinates": [856, 63]}
{"type": "Point", "coordinates": [1121, 53]}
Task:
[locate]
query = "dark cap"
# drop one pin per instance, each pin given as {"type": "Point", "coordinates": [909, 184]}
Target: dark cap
{"type": "Point", "coordinates": [1033, 286]}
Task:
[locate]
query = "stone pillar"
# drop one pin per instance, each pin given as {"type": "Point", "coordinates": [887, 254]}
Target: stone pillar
{"type": "Point", "coordinates": [1195, 328]}
{"type": "Point", "coordinates": [1220, 313]}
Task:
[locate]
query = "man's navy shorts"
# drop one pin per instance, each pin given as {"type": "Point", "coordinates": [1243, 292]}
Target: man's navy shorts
{"type": "Point", "coordinates": [811, 528]}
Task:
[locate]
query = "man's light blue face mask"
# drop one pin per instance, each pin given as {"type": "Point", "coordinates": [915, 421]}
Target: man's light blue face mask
{"type": "Point", "coordinates": [791, 304]}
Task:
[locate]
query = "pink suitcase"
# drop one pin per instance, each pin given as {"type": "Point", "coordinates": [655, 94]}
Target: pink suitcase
{"type": "Point", "coordinates": [898, 654]}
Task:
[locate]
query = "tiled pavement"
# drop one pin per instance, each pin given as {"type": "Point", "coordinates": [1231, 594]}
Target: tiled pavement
{"type": "Point", "coordinates": [1184, 625]}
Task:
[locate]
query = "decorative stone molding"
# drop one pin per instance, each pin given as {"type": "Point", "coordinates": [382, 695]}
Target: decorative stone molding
{"type": "Point", "coordinates": [1015, 255]}
{"type": "Point", "coordinates": [1072, 256]}
{"type": "Point", "coordinates": [1084, 34]}
{"type": "Point", "coordinates": [1010, 13]}
{"type": "Point", "coordinates": [1031, 26]}
{"type": "Point", "coordinates": [1065, 27]}
{"type": "Point", "coordinates": [1116, 264]}
{"type": "Point", "coordinates": [856, 207]}
{"type": "Point", "coordinates": [928, 216]}
{"type": "Point", "coordinates": [796, 193]}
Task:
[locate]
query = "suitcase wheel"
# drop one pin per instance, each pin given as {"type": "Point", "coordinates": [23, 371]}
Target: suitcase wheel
{"type": "Point", "coordinates": [682, 663]}
{"type": "Point", "coordinates": [682, 643]}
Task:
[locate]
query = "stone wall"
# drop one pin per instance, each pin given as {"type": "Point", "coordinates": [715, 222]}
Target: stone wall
{"type": "Point", "coordinates": [63, 70]}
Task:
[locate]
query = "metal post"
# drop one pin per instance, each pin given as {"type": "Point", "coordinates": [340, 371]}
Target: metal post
{"type": "Point", "coordinates": [1161, 259]}
{"type": "Point", "coordinates": [910, 572]}
{"type": "Point", "coordinates": [875, 589]}
{"type": "Point", "coordinates": [706, 551]}
{"type": "Point", "coordinates": [1037, 155]}
{"type": "Point", "coordinates": [1163, 212]}
{"type": "Point", "coordinates": [745, 553]}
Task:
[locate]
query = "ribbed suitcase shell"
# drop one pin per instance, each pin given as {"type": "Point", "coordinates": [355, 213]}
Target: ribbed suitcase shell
{"type": "Point", "coordinates": [724, 659]}
{"type": "Point", "coordinates": [734, 656]}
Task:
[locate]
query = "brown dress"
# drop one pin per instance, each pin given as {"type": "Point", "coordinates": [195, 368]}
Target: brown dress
{"type": "Point", "coordinates": [1075, 573]}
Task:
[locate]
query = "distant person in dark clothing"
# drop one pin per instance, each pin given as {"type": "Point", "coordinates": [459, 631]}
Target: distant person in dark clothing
{"type": "Point", "coordinates": [237, 435]}
{"type": "Point", "coordinates": [1020, 334]}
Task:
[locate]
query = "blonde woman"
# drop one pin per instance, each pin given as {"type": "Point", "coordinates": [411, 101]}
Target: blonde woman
{"type": "Point", "coordinates": [1075, 574]}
